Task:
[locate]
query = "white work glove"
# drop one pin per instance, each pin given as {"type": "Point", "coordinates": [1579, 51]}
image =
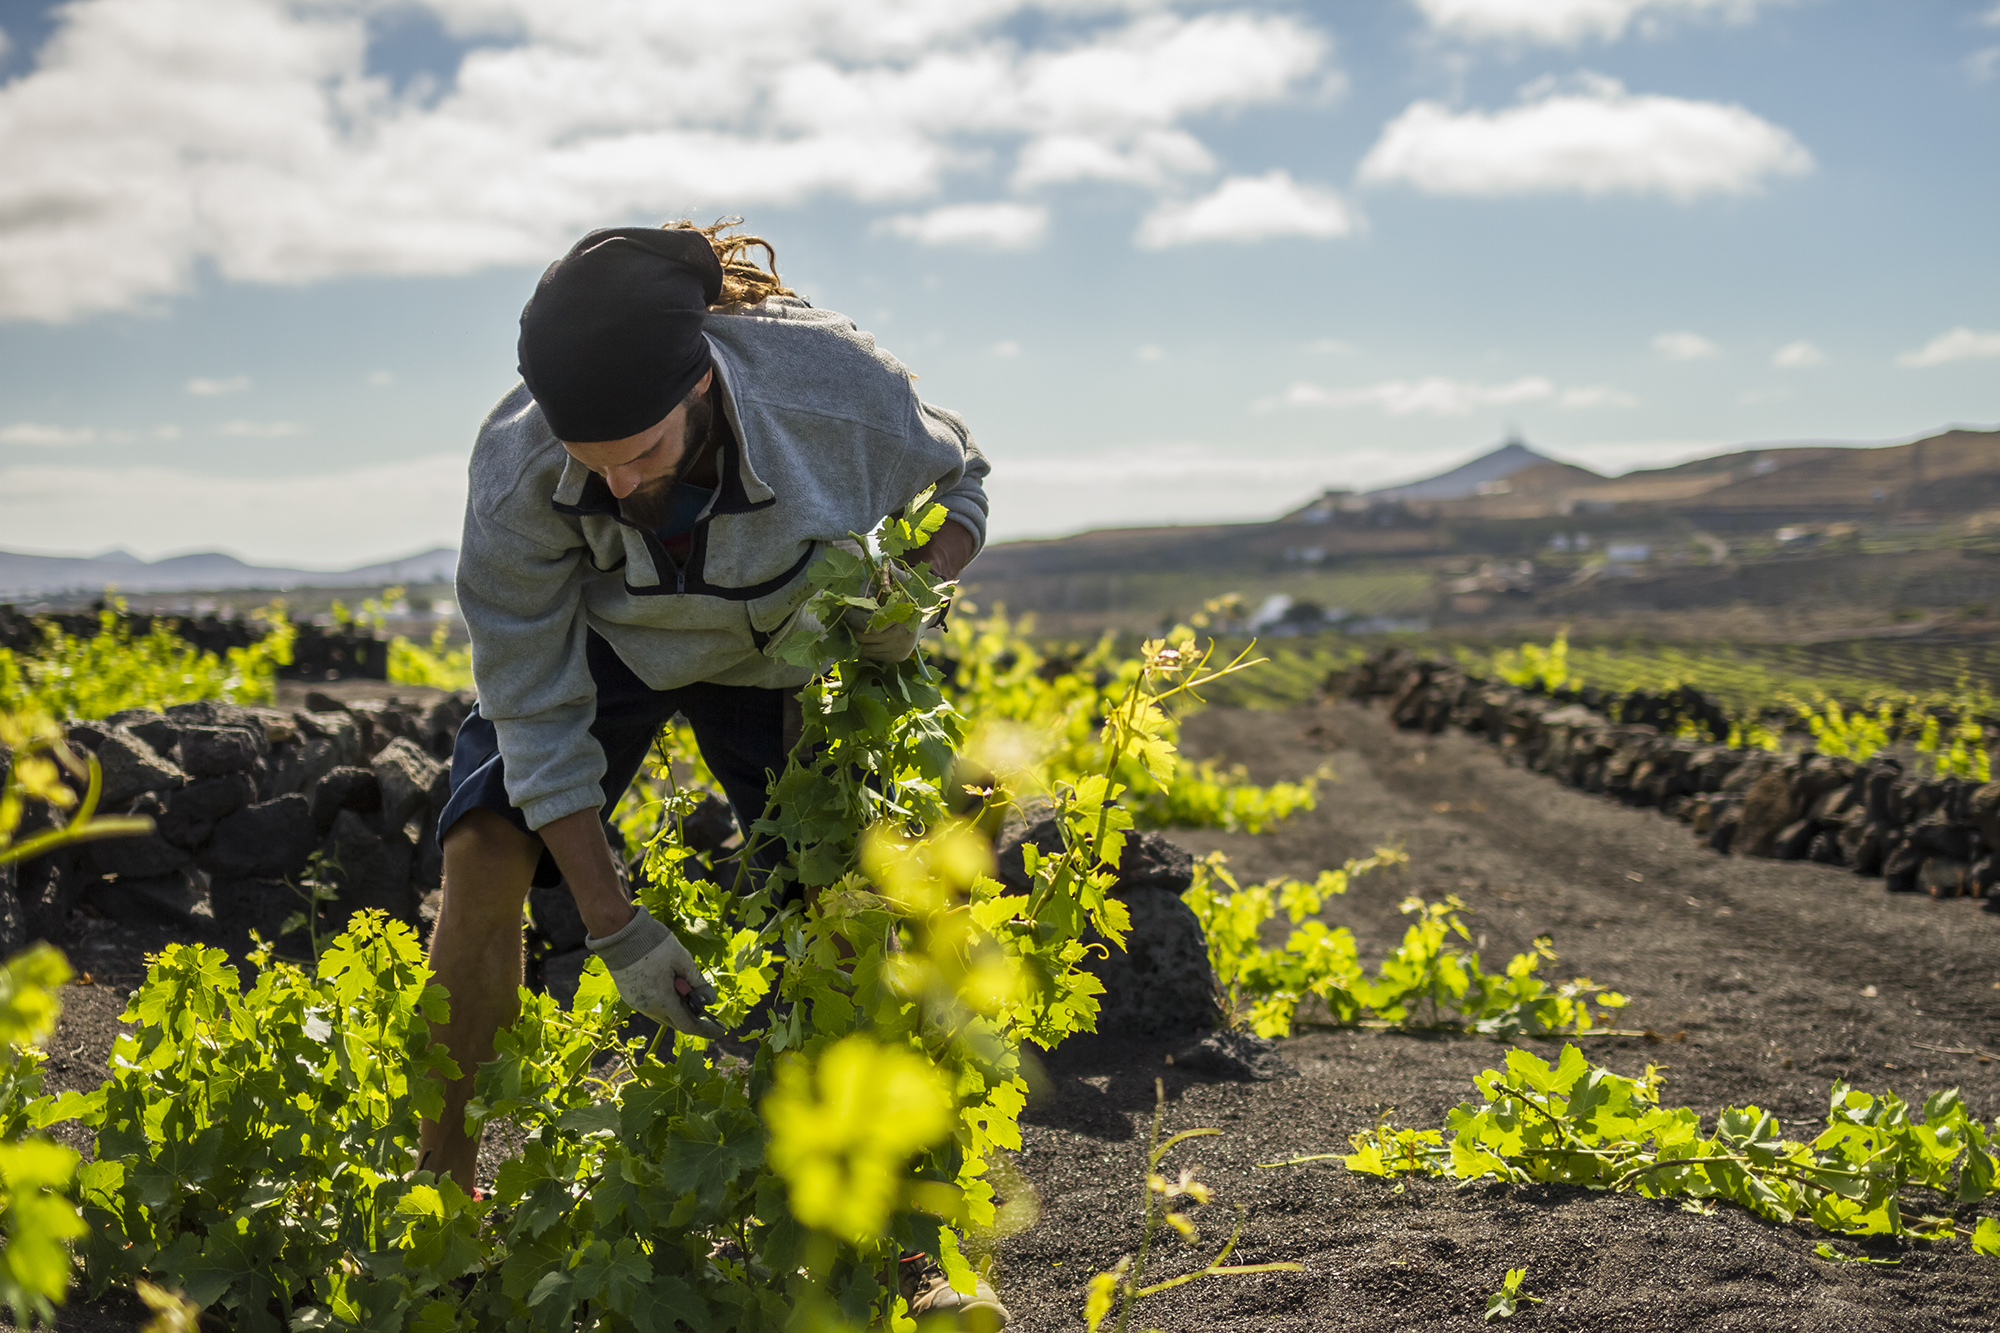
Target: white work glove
{"type": "Point", "coordinates": [891, 643]}
{"type": "Point", "coordinates": [657, 976]}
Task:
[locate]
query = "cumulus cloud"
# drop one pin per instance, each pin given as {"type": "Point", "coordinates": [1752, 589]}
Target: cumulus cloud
{"type": "Point", "coordinates": [1566, 22]}
{"type": "Point", "coordinates": [1797, 356]}
{"type": "Point", "coordinates": [1595, 395]}
{"type": "Point", "coordinates": [260, 430]}
{"type": "Point", "coordinates": [1684, 345]}
{"type": "Point", "coordinates": [1248, 208]}
{"type": "Point", "coordinates": [335, 518]}
{"type": "Point", "coordinates": [1590, 137]}
{"type": "Point", "coordinates": [34, 435]}
{"type": "Point", "coordinates": [1959, 344]}
{"type": "Point", "coordinates": [995, 226]}
{"type": "Point", "coordinates": [154, 135]}
{"type": "Point", "coordinates": [202, 387]}
{"type": "Point", "coordinates": [1440, 396]}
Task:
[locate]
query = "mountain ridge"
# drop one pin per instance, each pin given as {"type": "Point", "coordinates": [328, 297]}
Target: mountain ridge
{"type": "Point", "coordinates": [26, 575]}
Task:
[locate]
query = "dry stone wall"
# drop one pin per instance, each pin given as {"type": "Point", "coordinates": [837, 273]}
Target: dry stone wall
{"type": "Point", "coordinates": [1919, 834]}
{"type": "Point", "coordinates": [248, 805]}
{"type": "Point", "coordinates": [319, 652]}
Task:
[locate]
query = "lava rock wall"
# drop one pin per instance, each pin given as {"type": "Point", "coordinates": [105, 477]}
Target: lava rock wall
{"type": "Point", "coordinates": [249, 806]}
{"type": "Point", "coordinates": [1919, 834]}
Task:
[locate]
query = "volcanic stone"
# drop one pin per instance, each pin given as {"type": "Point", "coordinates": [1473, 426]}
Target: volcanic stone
{"type": "Point", "coordinates": [269, 839]}
{"type": "Point", "coordinates": [262, 905]}
{"type": "Point", "coordinates": [148, 725]}
{"type": "Point", "coordinates": [139, 856]}
{"type": "Point", "coordinates": [192, 812]}
{"type": "Point", "coordinates": [1234, 1054]}
{"type": "Point", "coordinates": [556, 918]}
{"type": "Point", "coordinates": [208, 752]}
{"type": "Point", "coordinates": [346, 788]}
{"type": "Point", "coordinates": [1160, 984]}
{"type": "Point", "coordinates": [213, 713]}
{"type": "Point", "coordinates": [175, 899]}
{"type": "Point", "coordinates": [408, 778]}
{"type": "Point", "coordinates": [131, 767]}
{"type": "Point", "coordinates": [369, 871]}
{"type": "Point", "coordinates": [709, 824]}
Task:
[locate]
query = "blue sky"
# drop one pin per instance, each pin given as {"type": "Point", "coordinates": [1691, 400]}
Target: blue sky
{"type": "Point", "coordinates": [260, 264]}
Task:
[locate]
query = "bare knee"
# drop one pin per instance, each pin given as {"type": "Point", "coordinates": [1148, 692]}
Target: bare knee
{"type": "Point", "coordinates": [488, 866]}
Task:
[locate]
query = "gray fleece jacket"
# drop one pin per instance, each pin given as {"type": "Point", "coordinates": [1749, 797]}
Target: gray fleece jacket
{"type": "Point", "coordinates": [831, 436]}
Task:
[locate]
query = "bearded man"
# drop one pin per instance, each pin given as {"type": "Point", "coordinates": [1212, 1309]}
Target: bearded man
{"type": "Point", "coordinates": [688, 437]}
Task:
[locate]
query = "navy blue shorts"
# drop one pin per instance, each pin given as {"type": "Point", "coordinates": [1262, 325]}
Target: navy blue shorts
{"type": "Point", "coordinates": [741, 730]}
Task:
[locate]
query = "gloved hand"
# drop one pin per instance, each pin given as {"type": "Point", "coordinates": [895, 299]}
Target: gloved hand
{"type": "Point", "coordinates": [657, 976]}
{"type": "Point", "coordinates": [891, 643]}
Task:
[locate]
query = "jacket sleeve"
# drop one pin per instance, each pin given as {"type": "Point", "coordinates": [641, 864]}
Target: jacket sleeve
{"type": "Point", "coordinates": [521, 596]}
{"type": "Point", "coordinates": [962, 490]}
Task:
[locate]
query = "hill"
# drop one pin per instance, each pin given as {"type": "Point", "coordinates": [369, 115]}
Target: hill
{"type": "Point", "coordinates": [31, 576]}
{"type": "Point", "coordinates": [1842, 531]}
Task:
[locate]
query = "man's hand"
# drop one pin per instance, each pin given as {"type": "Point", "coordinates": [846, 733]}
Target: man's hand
{"type": "Point", "coordinates": [644, 958]}
{"type": "Point", "coordinates": [948, 552]}
{"type": "Point", "coordinates": [891, 643]}
{"type": "Point", "coordinates": [657, 976]}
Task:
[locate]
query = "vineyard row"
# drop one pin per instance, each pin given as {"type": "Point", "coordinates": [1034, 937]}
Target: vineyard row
{"type": "Point", "coordinates": [1918, 833]}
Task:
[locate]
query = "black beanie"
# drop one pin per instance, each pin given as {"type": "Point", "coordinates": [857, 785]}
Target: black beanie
{"type": "Point", "coordinates": [611, 340]}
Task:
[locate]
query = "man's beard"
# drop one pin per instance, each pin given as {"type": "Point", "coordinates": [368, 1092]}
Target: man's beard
{"type": "Point", "coordinates": [649, 505]}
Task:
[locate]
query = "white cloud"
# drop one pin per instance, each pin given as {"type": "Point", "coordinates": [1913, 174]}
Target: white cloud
{"type": "Point", "coordinates": [1435, 395]}
{"type": "Point", "coordinates": [34, 435]}
{"type": "Point", "coordinates": [1797, 356]}
{"type": "Point", "coordinates": [1005, 348]}
{"type": "Point", "coordinates": [337, 518]}
{"type": "Point", "coordinates": [1565, 22]}
{"type": "Point", "coordinates": [1151, 352]}
{"type": "Point", "coordinates": [260, 430]}
{"type": "Point", "coordinates": [1151, 159]}
{"type": "Point", "coordinates": [1684, 345]}
{"type": "Point", "coordinates": [1245, 209]}
{"type": "Point", "coordinates": [1959, 344]}
{"type": "Point", "coordinates": [1441, 396]}
{"type": "Point", "coordinates": [1586, 396]}
{"type": "Point", "coordinates": [1332, 347]}
{"type": "Point", "coordinates": [1593, 138]}
{"type": "Point", "coordinates": [996, 226]}
{"type": "Point", "coordinates": [215, 388]}
{"type": "Point", "coordinates": [381, 379]}
{"type": "Point", "coordinates": [1981, 63]}
{"type": "Point", "coordinates": [154, 135]}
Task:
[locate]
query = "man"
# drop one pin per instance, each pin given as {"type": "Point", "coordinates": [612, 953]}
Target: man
{"type": "Point", "coordinates": [687, 438]}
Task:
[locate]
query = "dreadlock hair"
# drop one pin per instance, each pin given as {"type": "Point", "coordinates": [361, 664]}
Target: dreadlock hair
{"type": "Point", "coordinates": [743, 282]}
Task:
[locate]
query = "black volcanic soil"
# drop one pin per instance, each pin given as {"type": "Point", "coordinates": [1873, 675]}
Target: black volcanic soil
{"type": "Point", "coordinates": [1761, 964]}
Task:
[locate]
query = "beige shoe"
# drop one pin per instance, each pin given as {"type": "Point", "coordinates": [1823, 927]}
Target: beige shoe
{"type": "Point", "coordinates": [935, 1304]}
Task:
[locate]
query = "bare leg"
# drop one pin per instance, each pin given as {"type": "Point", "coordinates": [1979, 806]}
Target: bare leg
{"type": "Point", "coordinates": [476, 956]}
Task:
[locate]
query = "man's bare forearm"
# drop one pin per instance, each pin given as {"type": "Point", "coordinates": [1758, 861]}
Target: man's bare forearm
{"type": "Point", "coordinates": [579, 846]}
{"type": "Point", "coordinates": [948, 552]}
